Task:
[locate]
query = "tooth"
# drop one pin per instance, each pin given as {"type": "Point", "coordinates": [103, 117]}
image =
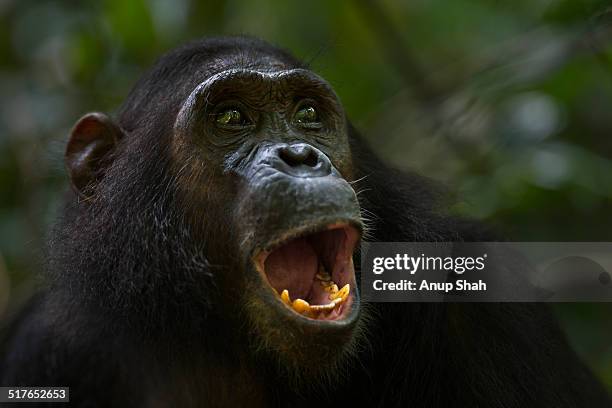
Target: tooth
{"type": "Point", "coordinates": [322, 275]}
{"type": "Point", "coordinates": [285, 297]}
{"type": "Point", "coordinates": [333, 289]}
{"type": "Point", "coordinates": [326, 284]}
{"type": "Point", "coordinates": [301, 306]}
{"type": "Point", "coordinates": [345, 295]}
{"type": "Point", "coordinates": [325, 308]}
{"type": "Point", "coordinates": [328, 306]}
{"type": "Point", "coordinates": [318, 311]}
{"type": "Point", "coordinates": [342, 293]}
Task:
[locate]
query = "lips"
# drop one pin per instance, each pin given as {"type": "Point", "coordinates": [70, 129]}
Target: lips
{"type": "Point", "coordinates": [313, 274]}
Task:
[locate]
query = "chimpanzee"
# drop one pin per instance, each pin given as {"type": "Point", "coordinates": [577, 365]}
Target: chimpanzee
{"type": "Point", "coordinates": [207, 255]}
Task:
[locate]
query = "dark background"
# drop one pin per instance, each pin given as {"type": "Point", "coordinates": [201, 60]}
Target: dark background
{"type": "Point", "coordinates": [507, 103]}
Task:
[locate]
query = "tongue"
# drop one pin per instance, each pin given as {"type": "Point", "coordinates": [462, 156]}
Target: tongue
{"type": "Point", "coordinates": [293, 267]}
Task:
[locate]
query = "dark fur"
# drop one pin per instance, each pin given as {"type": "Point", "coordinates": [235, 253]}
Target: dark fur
{"type": "Point", "coordinates": [130, 312]}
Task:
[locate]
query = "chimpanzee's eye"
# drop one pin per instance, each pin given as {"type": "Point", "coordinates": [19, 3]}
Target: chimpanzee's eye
{"type": "Point", "coordinates": [231, 117]}
{"type": "Point", "coordinates": [306, 115]}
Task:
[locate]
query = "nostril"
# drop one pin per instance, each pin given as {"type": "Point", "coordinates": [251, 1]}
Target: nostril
{"type": "Point", "coordinates": [312, 159]}
{"type": "Point", "coordinates": [300, 160]}
{"type": "Point", "coordinates": [296, 156]}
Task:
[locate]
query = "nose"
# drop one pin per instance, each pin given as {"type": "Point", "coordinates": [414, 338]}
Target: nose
{"type": "Point", "coordinates": [302, 160]}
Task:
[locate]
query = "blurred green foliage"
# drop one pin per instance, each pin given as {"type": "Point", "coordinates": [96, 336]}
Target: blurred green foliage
{"type": "Point", "coordinates": [507, 103]}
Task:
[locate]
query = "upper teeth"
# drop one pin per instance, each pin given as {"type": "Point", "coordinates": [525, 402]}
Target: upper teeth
{"type": "Point", "coordinates": [336, 296]}
{"type": "Point", "coordinates": [323, 276]}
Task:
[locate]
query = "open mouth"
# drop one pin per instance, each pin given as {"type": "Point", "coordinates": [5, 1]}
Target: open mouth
{"type": "Point", "coordinates": [313, 273]}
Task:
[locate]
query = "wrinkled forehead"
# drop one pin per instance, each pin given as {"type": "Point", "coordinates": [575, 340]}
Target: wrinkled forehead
{"type": "Point", "coordinates": [264, 84]}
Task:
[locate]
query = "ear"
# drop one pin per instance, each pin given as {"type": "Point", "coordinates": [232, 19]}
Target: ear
{"type": "Point", "coordinates": [92, 140]}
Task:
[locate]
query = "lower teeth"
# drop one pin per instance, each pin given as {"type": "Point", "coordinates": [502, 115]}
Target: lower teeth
{"type": "Point", "coordinates": [336, 296]}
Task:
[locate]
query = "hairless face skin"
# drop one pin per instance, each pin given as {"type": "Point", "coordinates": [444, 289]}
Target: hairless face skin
{"type": "Point", "coordinates": [277, 143]}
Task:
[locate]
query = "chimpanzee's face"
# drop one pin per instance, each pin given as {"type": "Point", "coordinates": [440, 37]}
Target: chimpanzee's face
{"type": "Point", "coordinates": [266, 153]}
